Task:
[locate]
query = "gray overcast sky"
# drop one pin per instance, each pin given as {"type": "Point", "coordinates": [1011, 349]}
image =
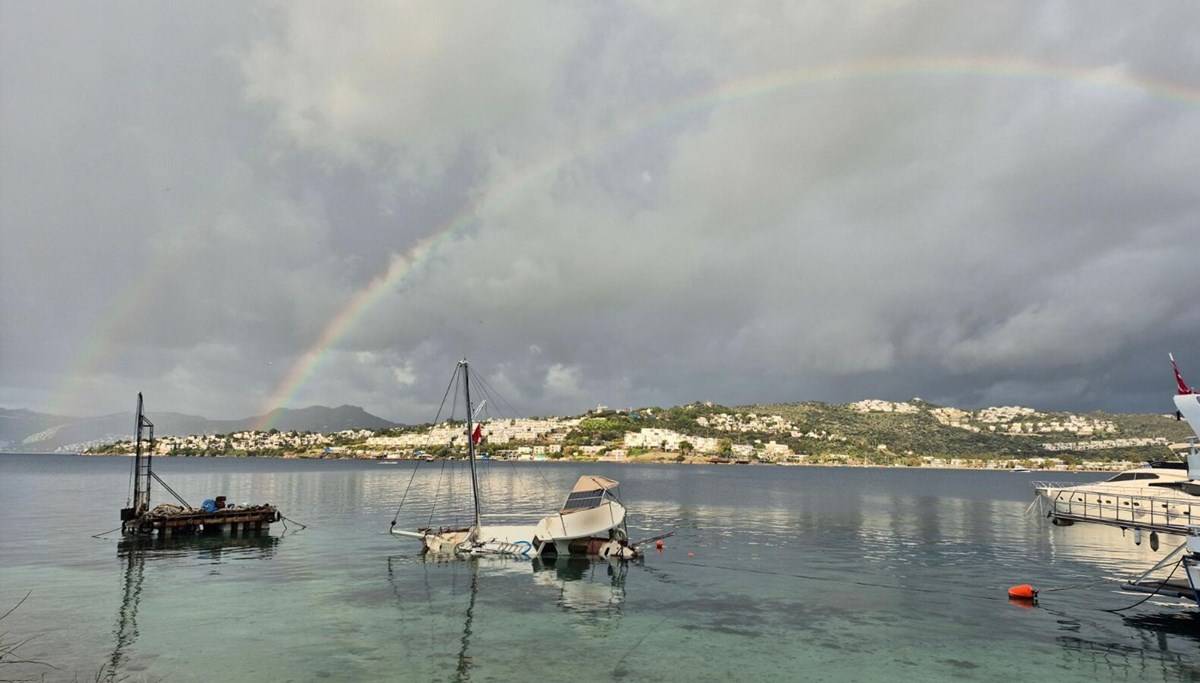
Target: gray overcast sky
{"type": "Point", "coordinates": [234, 206]}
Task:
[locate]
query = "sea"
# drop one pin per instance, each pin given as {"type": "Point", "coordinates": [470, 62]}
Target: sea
{"type": "Point", "coordinates": [773, 574]}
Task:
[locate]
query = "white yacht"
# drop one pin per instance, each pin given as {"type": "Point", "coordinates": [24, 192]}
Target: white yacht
{"type": "Point", "coordinates": [1154, 496]}
{"type": "Point", "coordinates": [1163, 498]}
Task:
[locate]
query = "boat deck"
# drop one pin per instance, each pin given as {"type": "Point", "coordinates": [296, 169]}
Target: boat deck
{"type": "Point", "coordinates": [250, 520]}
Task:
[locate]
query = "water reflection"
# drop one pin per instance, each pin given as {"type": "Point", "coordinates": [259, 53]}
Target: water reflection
{"type": "Point", "coordinates": [135, 551]}
{"type": "Point", "coordinates": [1110, 550]}
{"type": "Point", "coordinates": [590, 589]}
{"type": "Point", "coordinates": [1157, 627]}
{"type": "Point", "coordinates": [1147, 658]}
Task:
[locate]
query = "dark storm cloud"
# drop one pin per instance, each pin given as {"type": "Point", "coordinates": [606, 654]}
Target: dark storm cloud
{"type": "Point", "coordinates": [631, 204]}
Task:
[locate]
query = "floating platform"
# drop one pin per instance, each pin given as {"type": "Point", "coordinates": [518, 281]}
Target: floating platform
{"type": "Point", "coordinates": [168, 520]}
{"type": "Point", "coordinates": [175, 521]}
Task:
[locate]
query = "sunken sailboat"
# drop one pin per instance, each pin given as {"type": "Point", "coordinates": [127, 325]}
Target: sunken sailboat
{"type": "Point", "coordinates": [591, 521]}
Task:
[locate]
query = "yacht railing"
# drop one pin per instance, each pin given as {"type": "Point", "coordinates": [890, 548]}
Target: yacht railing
{"type": "Point", "coordinates": [1132, 508]}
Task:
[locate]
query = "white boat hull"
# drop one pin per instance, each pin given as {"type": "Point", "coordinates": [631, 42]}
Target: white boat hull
{"type": "Point", "coordinates": [1157, 508]}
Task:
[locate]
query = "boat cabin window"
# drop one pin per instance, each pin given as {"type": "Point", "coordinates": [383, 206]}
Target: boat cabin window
{"type": "Point", "coordinates": [1130, 476]}
{"type": "Point", "coordinates": [583, 500]}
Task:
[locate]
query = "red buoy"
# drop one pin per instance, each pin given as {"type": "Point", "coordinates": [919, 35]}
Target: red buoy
{"type": "Point", "coordinates": [658, 545]}
{"type": "Point", "coordinates": [1022, 592]}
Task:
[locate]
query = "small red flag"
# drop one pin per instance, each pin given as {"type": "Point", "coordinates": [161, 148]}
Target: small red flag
{"type": "Point", "coordinates": [478, 434]}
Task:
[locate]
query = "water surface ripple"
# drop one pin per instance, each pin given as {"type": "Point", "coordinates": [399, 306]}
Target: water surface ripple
{"type": "Point", "coordinates": [775, 573]}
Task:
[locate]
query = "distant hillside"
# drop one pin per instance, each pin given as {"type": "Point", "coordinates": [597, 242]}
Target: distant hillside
{"type": "Point", "coordinates": [927, 429]}
{"type": "Point", "coordinates": [24, 431]}
{"type": "Point", "coordinates": [870, 430]}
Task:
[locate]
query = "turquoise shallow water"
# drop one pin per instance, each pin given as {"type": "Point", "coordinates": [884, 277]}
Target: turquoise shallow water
{"type": "Point", "coordinates": [776, 573]}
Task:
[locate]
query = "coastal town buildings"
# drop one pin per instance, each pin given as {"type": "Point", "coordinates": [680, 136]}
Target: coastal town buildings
{"type": "Point", "coordinates": [697, 432]}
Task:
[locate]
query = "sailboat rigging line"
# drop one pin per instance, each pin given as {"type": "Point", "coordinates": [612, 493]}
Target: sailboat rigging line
{"type": "Point", "coordinates": [494, 395]}
{"type": "Point", "coordinates": [485, 475]}
{"type": "Point", "coordinates": [436, 491]}
{"type": "Point", "coordinates": [452, 385]}
{"type": "Point", "coordinates": [542, 475]}
{"type": "Point", "coordinates": [406, 488]}
{"type": "Point", "coordinates": [521, 480]}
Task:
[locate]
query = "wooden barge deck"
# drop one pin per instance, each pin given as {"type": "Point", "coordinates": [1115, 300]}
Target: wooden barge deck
{"type": "Point", "coordinates": [231, 521]}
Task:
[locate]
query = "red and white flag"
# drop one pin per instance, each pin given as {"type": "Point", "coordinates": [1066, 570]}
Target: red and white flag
{"type": "Point", "coordinates": [1183, 387]}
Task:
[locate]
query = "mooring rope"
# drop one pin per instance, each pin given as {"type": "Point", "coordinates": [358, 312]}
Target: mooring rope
{"type": "Point", "coordinates": [1077, 585]}
{"type": "Point", "coordinates": [285, 520]}
{"type": "Point", "coordinates": [621, 661]}
{"type": "Point", "coordinates": [1156, 590]}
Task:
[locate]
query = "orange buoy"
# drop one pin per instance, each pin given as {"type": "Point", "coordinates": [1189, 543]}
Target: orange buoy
{"type": "Point", "coordinates": [1022, 592]}
{"type": "Point", "coordinates": [691, 554]}
{"type": "Point", "coordinates": [659, 545]}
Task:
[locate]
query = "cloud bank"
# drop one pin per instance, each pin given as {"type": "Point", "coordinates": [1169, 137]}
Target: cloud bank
{"type": "Point", "coordinates": [238, 207]}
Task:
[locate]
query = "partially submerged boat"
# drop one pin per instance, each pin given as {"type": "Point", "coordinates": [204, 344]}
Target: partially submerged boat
{"type": "Point", "coordinates": [591, 520]}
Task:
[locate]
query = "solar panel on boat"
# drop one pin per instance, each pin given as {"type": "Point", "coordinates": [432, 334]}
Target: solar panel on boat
{"type": "Point", "coordinates": [583, 500]}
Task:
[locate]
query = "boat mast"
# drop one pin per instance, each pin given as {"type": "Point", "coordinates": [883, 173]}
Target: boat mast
{"type": "Point", "coordinates": [471, 447]}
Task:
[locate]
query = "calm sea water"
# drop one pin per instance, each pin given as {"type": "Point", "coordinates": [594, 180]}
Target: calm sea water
{"type": "Point", "coordinates": [776, 573]}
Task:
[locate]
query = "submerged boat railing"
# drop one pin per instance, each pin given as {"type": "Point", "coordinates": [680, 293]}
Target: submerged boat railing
{"type": "Point", "coordinates": [1134, 509]}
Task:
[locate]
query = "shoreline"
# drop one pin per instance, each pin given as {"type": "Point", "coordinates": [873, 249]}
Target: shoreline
{"type": "Point", "coordinates": [1116, 466]}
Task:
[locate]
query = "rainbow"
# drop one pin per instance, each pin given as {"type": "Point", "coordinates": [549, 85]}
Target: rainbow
{"type": "Point", "coordinates": [125, 317]}
{"type": "Point", "coordinates": [748, 88]}
{"type": "Point", "coordinates": [753, 87]}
